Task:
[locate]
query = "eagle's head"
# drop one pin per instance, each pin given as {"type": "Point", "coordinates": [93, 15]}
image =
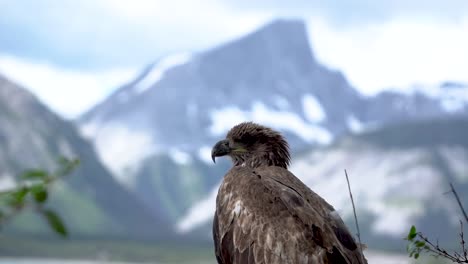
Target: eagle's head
{"type": "Point", "coordinates": [253, 145]}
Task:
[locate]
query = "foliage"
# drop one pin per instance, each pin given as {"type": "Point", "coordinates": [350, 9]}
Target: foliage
{"type": "Point", "coordinates": [32, 192]}
{"type": "Point", "coordinates": [418, 242]}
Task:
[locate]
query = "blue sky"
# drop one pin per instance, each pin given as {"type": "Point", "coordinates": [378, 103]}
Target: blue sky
{"type": "Point", "coordinates": [74, 53]}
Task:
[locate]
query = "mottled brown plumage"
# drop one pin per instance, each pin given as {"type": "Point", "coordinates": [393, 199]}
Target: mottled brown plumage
{"type": "Point", "coordinates": [264, 214]}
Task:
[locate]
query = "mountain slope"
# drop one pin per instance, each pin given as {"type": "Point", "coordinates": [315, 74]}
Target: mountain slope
{"type": "Point", "coordinates": [91, 202]}
{"type": "Point", "coordinates": [398, 176]}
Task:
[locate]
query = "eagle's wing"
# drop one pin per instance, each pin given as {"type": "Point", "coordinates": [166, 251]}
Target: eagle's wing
{"type": "Point", "coordinates": [267, 215]}
{"type": "Point", "coordinates": [337, 234]}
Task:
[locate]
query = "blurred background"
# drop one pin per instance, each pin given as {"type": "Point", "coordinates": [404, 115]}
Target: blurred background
{"type": "Point", "coordinates": [139, 91]}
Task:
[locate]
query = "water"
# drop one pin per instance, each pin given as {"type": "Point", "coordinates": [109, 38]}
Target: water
{"type": "Point", "coordinates": [54, 261]}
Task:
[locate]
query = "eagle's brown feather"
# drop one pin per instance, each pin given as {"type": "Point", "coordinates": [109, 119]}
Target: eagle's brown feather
{"type": "Point", "coordinates": [264, 214]}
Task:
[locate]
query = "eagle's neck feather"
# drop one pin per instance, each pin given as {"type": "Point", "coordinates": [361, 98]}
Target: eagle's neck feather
{"type": "Point", "coordinates": [255, 161]}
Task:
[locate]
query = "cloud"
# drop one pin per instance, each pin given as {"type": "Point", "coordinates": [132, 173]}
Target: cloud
{"type": "Point", "coordinates": [67, 92]}
{"type": "Point", "coordinates": [103, 33]}
{"type": "Point", "coordinates": [393, 54]}
{"type": "Point", "coordinates": [345, 14]}
{"type": "Point", "coordinates": [93, 46]}
{"type": "Point", "coordinates": [97, 34]}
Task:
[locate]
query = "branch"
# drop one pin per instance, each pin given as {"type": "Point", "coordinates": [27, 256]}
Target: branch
{"type": "Point", "coordinates": [32, 192]}
{"type": "Point", "coordinates": [459, 202]}
{"type": "Point", "coordinates": [438, 251]}
{"type": "Point", "coordinates": [462, 242]}
{"type": "Point", "coordinates": [415, 247]}
{"type": "Point", "coordinates": [355, 217]}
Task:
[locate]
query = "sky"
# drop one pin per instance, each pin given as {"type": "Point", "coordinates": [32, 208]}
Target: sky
{"type": "Point", "coordinates": [72, 54]}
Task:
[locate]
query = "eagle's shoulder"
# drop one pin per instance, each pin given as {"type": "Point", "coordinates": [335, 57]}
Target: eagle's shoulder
{"type": "Point", "coordinates": [268, 214]}
{"type": "Point", "coordinates": [283, 177]}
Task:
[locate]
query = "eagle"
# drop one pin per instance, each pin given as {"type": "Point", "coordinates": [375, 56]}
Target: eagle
{"type": "Point", "coordinates": [265, 214]}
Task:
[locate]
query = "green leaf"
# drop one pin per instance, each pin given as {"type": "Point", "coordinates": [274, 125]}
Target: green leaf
{"type": "Point", "coordinates": [55, 222]}
{"type": "Point", "coordinates": [420, 243]}
{"type": "Point", "coordinates": [40, 193]}
{"type": "Point", "coordinates": [34, 174]}
{"type": "Point", "coordinates": [412, 233]}
{"type": "Point", "coordinates": [16, 197]}
{"type": "Point", "coordinates": [416, 256]}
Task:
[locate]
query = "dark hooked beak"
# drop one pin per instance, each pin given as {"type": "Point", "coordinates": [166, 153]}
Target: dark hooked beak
{"type": "Point", "coordinates": [220, 149]}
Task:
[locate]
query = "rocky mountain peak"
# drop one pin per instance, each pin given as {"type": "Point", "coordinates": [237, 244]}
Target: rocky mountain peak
{"type": "Point", "coordinates": [279, 42]}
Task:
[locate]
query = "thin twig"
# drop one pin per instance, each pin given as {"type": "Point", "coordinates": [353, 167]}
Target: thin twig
{"type": "Point", "coordinates": [436, 250]}
{"type": "Point", "coordinates": [462, 241]}
{"type": "Point", "coordinates": [459, 202]}
{"type": "Point", "coordinates": [355, 216]}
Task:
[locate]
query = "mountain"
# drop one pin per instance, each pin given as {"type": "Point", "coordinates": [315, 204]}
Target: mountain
{"type": "Point", "coordinates": [448, 99]}
{"type": "Point", "coordinates": [155, 133]}
{"type": "Point", "coordinates": [398, 175]}
{"type": "Point", "coordinates": [182, 104]}
{"type": "Point", "coordinates": [90, 201]}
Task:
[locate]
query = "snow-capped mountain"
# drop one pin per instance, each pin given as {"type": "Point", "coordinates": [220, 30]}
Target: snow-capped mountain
{"type": "Point", "coordinates": [155, 133]}
{"type": "Point", "coordinates": [188, 101]}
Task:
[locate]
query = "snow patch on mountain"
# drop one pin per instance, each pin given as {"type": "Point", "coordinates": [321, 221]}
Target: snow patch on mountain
{"type": "Point", "coordinates": [65, 148]}
{"type": "Point", "coordinates": [452, 98]}
{"type": "Point", "coordinates": [354, 124]}
{"type": "Point", "coordinates": [7, 182]}
{"type": "Point", "coordinates": [453, 104]}
{"type": "Point", "coordinates": [225, 118]}
{"type": "Point", "coordinates": [200, 213]}
{"type": "Point", "coordinates": [457, 160]}
{"type": "Point", "coordinates": [179, 157]}
{"type": "Point", "coordinates": [313, 110]}
{"type": "Point", "coordinates": [121, 149]}
{"type": "Point", "coordinates": [89, 129]}
{"type": "Point", "coordinates": [157, 71]}
{"type": "Point", "coordinates": [281, 102]}
{"type": "Point", "coordinates": [204, 154]}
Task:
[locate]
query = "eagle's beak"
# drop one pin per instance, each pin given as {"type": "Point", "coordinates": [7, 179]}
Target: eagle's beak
{"type": "Point", "coordinates": [220, 149]}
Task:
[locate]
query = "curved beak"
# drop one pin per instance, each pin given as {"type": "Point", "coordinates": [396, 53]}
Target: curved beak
{"type": "Point", "coordinates": [220, 149]}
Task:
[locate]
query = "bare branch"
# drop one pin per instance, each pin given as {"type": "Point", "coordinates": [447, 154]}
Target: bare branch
{"type": "Point", "coordinates": [438, 251]}
{"type": "Point", "coordinates": [459, 202]}
{"type": "Point", "coordinates": [355, 217]}
{"type": "Point", "coordinates": [462, 241]}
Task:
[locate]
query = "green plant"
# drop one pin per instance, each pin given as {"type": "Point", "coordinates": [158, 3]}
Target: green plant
{"type": "Point", "coordinates": [31, 193]}
{"type": "Point", "coordinates": [419, 243]}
